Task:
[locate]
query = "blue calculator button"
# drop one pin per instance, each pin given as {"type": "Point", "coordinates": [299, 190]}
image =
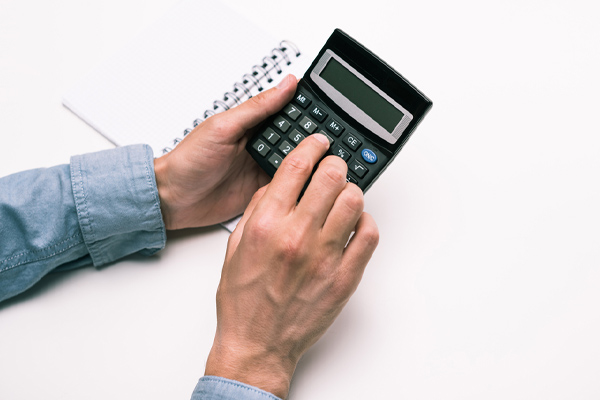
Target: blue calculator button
{"type": "Point", "coordinates": [369, 156]}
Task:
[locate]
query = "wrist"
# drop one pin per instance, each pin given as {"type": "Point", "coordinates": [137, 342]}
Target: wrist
{"type": "Point", "coordinates": [260, 369]}
{"type": "Point", "coordinates": [160, 173]}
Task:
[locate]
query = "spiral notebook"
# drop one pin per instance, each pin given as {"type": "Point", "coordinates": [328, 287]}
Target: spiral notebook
{"type": "Point", "coordinates": [199, 59]}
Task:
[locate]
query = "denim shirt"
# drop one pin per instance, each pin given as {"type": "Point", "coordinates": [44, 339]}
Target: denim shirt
{"type": "Point", "coordinates": [100, 208]}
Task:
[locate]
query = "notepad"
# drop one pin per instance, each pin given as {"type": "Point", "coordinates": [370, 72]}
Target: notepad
{"type": "Point", "coordinates": [199, 59]}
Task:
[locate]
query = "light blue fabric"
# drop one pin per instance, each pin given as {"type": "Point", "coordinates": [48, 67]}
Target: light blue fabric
{"type": "Point", "coordinates": [101, 207]}
{"type": "Point", "coordinates": [217, 388]}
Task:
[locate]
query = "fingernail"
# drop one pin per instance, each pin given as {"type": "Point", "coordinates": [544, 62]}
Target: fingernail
{"type": "Point", "coordinates": [285, 82]}
{"type": "Point", "coordinates": [321, 138]}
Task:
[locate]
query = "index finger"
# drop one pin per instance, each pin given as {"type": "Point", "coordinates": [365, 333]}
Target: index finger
{"type": "Point", "coordinates": [294, 172]}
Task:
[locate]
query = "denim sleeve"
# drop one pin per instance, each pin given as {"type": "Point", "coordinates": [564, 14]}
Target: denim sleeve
{"type": "Point", "coordinates": [101, 207]}
{"type": "Point", "coordinates": [217, 388]}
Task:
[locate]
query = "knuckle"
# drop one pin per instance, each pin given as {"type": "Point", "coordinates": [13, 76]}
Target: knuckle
{"type": "Point", "coordinates": [338, 161]}
{"type": "Point", "coordinates": [334, 173]}
{"type": "Point", "coordinates": [342, 287]}
{"type": "Point", "coordinates": [218, 124]}
{"type": "Point", "coordinates": [259, 227]}
{"type": "Point", "coordinates": [259, 193]}
{"type": "Point", "coordinates": [297, 164]}
{"type": "Point", "coordinates": [260, 103]}
{"type": "Point", "coordinates": [293, 247]}
{"type": "Point", "coordinates": [352, 198]}
{"type": "Point", "coordinates": [371, 235]}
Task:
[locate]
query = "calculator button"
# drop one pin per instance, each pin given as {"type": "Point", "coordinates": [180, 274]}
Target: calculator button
{"type": "Point", "coordinates": [318, 113]}
{"type": "Point", "coordinates": [281, 123]}
{"type": "Point", "coordinates": [308, 125]}
{"type": "Point", "coordinates": [275, 160]}
{"type": "Point", "coordinates": [369, 156]}
{"type": "Point", "coordinates": [271, 136]}
{"type": "Point", "coordinates": [352, 141]}
{"type": "Point", "coordinates": [358, 169]}
{"type": "Point", "coordinates": [351, 180]}
{"type": "Point", "coordinates": [286, 147]}
{"type": "Point", "coordinates": [291, 111]}
{"type": "Point", "coordinates": [335, 127]}
{"type": "Point", "coordinates": [341, 152]}
{"type": "Point", "coordinates": [328, 136]}
{"type": "Point", "coordinates": [261, 147]}
{"type": "Point", "coordinates": [302, 100]}
{"type": "Point", "coordinates": [296, 136]}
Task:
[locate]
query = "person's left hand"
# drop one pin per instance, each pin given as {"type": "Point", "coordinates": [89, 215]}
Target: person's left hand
{"type": "Point", "coordinates": [210, 177]}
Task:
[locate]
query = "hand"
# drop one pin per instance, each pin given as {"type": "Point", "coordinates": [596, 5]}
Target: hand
{"type": "Point", "coordinates": [210, 177]}
{"type": "Point", "coordinates": [288, 271]}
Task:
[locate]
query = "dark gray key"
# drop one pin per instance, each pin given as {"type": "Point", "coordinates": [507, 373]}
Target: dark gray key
{"type": "Point", "coordinates": [358, 169]}
{"type": "Point", "coordinates": [261, 147]}
{"type": "Point", "coordinates": [317, 113]}
{"type": "Point", "coordinates": [308, 125]}
{"type": "Point", "coordinates": [285, 148]}
{"type": "Point", "coordinates": [281, 123]}
{"type": "Point", "coordinates": [352, 141]}
{"type": "Point", "coordinates": [292, 111]}
{"type": "Point", "coordinates": [351, 180]}
{"type": "Point", "coordinates": [271, 136]}
{"type": "Point", "coordinates": [335, 127]}
{"type": "Point", "coordinates": [296, 136]}
{"type": "Point", "coordinates": [275, 160]}
{"type": "Point", "coordinates": [302, 100]}
{"type": "Point", "coordinates": [341, 152]}
{"type": "Point", "coordinates": [328, 136]}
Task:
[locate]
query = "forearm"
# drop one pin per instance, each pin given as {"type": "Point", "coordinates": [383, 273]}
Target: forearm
{"type": "Point", "coordinates": [218, 388]}
{"type": "Point", "coordinates": [101, 207]}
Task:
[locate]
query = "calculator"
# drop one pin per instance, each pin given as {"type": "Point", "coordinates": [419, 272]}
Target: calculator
{"type": "Point", "coordinates": [366, 109]}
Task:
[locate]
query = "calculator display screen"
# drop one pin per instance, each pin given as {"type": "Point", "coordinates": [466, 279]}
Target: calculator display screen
{"type": "Point", "coordinates": [355, 90]}
{"type": "Point", "coordinates": [358, 96]}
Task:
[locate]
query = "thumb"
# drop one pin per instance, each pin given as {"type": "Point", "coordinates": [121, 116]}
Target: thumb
{"type": "Point", "coordinates": [256, 109]}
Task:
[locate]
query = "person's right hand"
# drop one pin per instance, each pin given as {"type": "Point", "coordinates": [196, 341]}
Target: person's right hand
{"type": "Point", "coordinates": [289, 269]}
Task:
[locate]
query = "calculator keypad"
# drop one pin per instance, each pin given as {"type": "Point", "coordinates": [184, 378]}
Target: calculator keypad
{"type": "Point", "coordinates": [261, 148]}
{"type": "Point", "coordinates": [317, 113]}
{"type": "Point", "coordinates": [352, 141]}
{"type": "Point", "coordinates": [304, 116]}
{"type": "Point", "coordinates": [296, 136]}
{"type": "Point", "coordinates": [271, 136]}
{"type": "Point", "coordinates": [292, 111]}
{"type": "Point", "coordinates": [302, 100]}
{"type": "Point", "coordinates": [308, 125]}
{"type": "Point", "coordinates": [285, 148]}
{"type": "Point", "coordinates": [281, 123]}
{"type": "Point", "coordinates": [335, 127]}
{"type": "Point", "coordinates": [275, 160]}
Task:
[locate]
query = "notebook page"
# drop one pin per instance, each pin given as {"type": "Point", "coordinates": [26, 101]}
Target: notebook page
{"type": "Point", "coordinates": [158, 84]}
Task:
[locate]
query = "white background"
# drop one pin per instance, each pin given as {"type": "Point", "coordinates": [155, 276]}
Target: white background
{"type": "Point", "coordinates": [486, 282]}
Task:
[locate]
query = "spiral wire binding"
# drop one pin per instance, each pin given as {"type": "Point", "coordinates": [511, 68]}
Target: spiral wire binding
{"type": "Point", "coordinates": [243, 90]}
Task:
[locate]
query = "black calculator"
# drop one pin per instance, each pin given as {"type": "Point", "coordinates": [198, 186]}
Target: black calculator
{"type": "Point", "coordinates": [365, 108]}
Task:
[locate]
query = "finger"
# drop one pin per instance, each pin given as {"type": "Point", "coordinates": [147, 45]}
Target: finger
{"type": "Point", "coordinates": [236, 235]}
{"type": "Point", "coordinates": [356, 256]}
{"type": "Point", "coordinates": [344, 215]}
{"type": "Point", "coordinates": [360, 248]}
{"type": "Point", "coordinates": [295, 170]}
{"type": "Point", "coordinates": [325, 186]}
{"type": "Point", "coordinates": [256, 109]}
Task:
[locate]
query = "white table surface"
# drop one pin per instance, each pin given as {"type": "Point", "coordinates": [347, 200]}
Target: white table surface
{"type": "Point", "coordinates": [486, 282]}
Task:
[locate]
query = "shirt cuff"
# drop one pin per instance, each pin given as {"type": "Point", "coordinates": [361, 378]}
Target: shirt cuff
{"type": "Point", "coordinates": [117, 203]}
{"type": "Point", "coordinates": [217, 388]}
